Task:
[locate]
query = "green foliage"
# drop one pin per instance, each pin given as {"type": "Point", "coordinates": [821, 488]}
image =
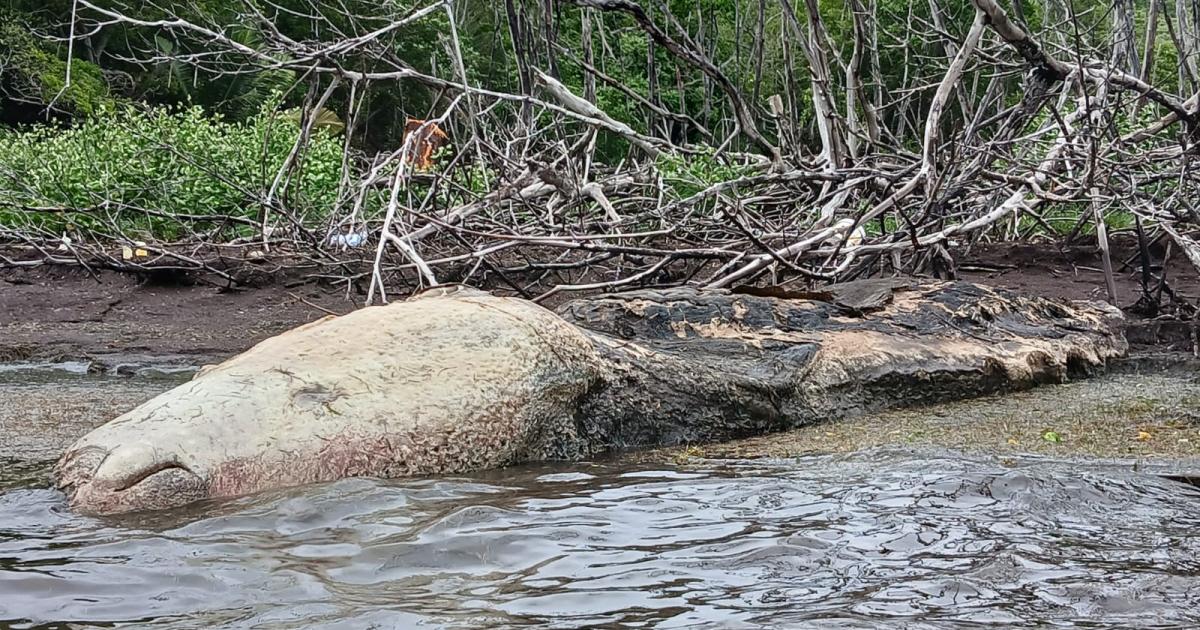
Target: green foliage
{"type": "Point", "coordinates": [1052, 436]}
{"type": "Point", "coordinates": [890, 226]}
{"type": "Point", "coordinates": [238, 89]}
{"type": "Point", "coordinates": [1061, 219]}
{"type": "Point", "coordinates": [172, 161]}
{"type": "Point", "coordinates": [690, 174]}
{"type": "Point", "coordinates": [32, 72]}
{"type": "Point", "coordinates": [220, 163]}
{"type": "Point", "coordinates": [475, 177]}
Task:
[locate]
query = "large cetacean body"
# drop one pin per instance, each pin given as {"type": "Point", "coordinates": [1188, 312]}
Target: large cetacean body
{"type": "Point", "coordinates": [456, 381]}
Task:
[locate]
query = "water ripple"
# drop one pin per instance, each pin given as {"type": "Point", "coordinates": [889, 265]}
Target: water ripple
{"type": "Point", "coordinates": [875, 539]}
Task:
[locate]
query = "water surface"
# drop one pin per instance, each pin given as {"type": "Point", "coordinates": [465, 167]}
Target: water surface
{"type": "Point", "coordinates": [883, 538]}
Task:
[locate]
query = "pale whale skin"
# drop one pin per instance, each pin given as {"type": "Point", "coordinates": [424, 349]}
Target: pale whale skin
{"type": "Point", "coordinates": [459, 380]}
{"type": "Point", "coordinates": [433, 385]}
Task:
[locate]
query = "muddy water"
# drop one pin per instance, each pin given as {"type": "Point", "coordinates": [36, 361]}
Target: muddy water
{"type": "Point", "coordinates": [866, 540]}
{"type": "Point", "coordinates": [880, 537]}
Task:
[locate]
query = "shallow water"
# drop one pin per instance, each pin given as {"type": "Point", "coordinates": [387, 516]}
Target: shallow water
{"type": "Point", "coordinates": [46, 407]}
{"type": "Point", "coordinates": [877, 539]}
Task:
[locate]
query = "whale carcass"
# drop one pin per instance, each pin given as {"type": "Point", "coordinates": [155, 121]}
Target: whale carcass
{"type": "Point", "coordinates": [457, 380]}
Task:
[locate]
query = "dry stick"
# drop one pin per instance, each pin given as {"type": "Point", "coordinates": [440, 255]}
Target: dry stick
{"type": "Point", "coordinates": [1029, 49]}
{"type": "Point", "coordinates": [293, 155]}
{"type": "Point", "coordinates": [1157, 126]}
{"type": "Point", "coordinates": [737, 221]}
{"type": "Point", "coordinates": [582, 107]}
{"type": "Point", "coordinates": [300, 63]}
{"type": "Point", "coordinates": [901, 116]}
{"type": "Point", "coordinates": [833, 143]}
{"type": "Point", "coordinates": [1125, 55]}
{"type": "Point", "coordinates": [1033, 53]}
{"type": "Point", "coordinates": [1095, 119]}
{"type": "Point", "coordinates": [1151, 40]}
{"type": "Point", "coordinates": [1162, 278]}
{"type": "Point", "coordinates": [759, 41]}
{"type": "Point", "coordinates": [594, 73]}
{"type": "Point", "coordinates": [403, 244]}
{"type": "Point", "coordinates": [1102, 242]}
{"type": "Point", "coordinates": [855, 71]}
{"type": "Point", "coordinates": [187, 259]}
{"type": "Point", "coordinates": [787, 114]}
{"type": "Point", "coordinates": [313, 305]}
{"type": "Point", "coordinates": [205, 218]}
{"type": "Point", "coordinates": [854, 90]}
{"type": "Point", "coordinates": [352, 110]}
{"type": "Point", "coordinates": [932, 121]}
{"type": "Point", "coordinates": [589, 56]}
{"type": "Point", "coordinates": [605, 285]}
{"type": "Point", "coordinates": [1183, 45]}
{"type": "Point", "coordinates": [1143, 254]}
{"type": "Point", "coordinates": [766, 195]}
{"type": "Point", "coordinates": [70, 56]}
{"type": "Point", "coordinates": [498, 195]}
{"type": "Point", "coordinates": [824, 110]}
{"type": "Point", "coordinates": [768, 260]}
{"type": "Point", "coordinates": [460, 68]}
{"type": "Point", "coordinates": [1190, 248]}
{"type": "Point", "coordinates": [652, 88]}
{"type": "Point", "coordinates": [1017, 201]}
{"type": "Point", "coordinates": [695, 58]}
{"type": "Point", "coordinates": [1098, 218]}
{"type": "Point", "coordinates": [935, 13]}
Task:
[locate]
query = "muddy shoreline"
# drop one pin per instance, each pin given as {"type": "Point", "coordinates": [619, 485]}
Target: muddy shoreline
{"type": "Point", "coordinates": [61, 314]}
{"type": "Point", "coordinates": [71, 335]}
{"type": "Point", "coordinates": [67, 314]}
{"type": "Point", "coordinates": [1143, 410]}
{"type": "Point", "coordinates": [1143, 413]}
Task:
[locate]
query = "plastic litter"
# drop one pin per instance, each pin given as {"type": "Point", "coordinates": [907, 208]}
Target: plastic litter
{"type": "Point", "coordinates": [351, 240]}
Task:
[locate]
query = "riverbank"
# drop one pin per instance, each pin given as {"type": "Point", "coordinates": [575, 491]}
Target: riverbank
{"type": "Point", "coordinates": [1142, 411]}
{"type": "Point", "coordinates": [63, 313]}
{"type": "Point", "coordinates": [86, 332]}
{"type": "Point", "coordinates": [42, 411]}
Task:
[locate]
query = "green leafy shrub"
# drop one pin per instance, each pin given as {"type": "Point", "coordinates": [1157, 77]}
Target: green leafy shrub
{"type": "Point", "coordinates": [114, 166]}
{"type": "Point", "coordinates": [690, 174]}
{"type": "Point", "coordinates": [31, 73]}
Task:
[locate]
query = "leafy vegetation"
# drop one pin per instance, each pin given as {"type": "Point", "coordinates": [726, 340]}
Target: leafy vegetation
{"type": "Point", "coordinates": [689, 175]}
{"type": "Point", "coordinates": [157, 123]}
{"type": "Point", "coordinates": [34, 77]}
{"type": "Point", "coordinates": [143, 167]}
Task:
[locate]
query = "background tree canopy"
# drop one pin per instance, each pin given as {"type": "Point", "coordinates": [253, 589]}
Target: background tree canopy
{"type": "Point", "coordinates": [821, 138]}
{"type": "Point", "coordinates": [120, 63]}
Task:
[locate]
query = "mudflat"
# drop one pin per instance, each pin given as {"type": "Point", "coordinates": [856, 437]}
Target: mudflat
{"type": "Point", "coordinates": [1142, 411]}
{"type": "Point", "coordinates": [68, 313]}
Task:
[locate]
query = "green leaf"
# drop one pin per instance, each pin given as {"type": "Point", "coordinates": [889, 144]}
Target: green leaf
{"type": "Point", "coordinates": [325, 119]}
{"type": "Point", "coordinates": [1052, 436]}
{"type": "Point", "coordinates": [165, 45]}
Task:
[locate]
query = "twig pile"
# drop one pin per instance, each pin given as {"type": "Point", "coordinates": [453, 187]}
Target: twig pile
{"type": "Point", "coordinates": [898, 180]}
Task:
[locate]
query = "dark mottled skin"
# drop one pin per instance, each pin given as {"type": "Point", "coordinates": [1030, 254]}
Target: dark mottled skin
{"type": "Point", "coordinates": [698, 388]}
